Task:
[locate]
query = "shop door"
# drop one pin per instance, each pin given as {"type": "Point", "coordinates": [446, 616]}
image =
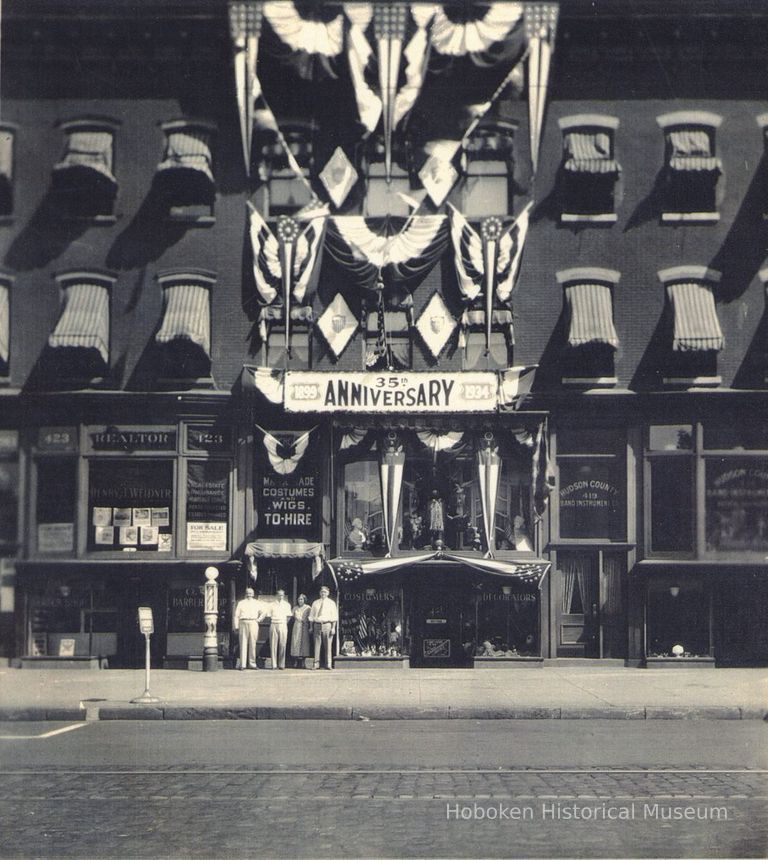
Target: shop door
{"type": "Point", "coordinates": [578, 622]}
{"type": "Point", "coordinates": [441, 606]}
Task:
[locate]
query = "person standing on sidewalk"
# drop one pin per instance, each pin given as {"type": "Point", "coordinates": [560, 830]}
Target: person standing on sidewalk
{"type": "Point", "coordinates": [300, 637]}
{"type": "Point", "coordinates": [279, 613]}
{"type": "Point", "coordinates": [248, 613]}
{"type": "Point", "coordinates": [324, 616]}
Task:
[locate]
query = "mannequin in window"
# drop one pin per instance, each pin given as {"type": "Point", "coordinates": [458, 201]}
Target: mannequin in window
{"type": "Point", "coordinates": [520, 535]}
{"type": "Point", "coordinates": [436, 517]}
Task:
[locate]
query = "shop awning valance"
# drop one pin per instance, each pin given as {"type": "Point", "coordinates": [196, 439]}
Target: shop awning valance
{"type": "Point", "coordinates": [589, 152]}
{"type": "Point", "coordinates": [84, 321]}
{"type": "Point", "coordinates": [696, 326]}
{"type": "Point", "coordinates": [187, 148]}
{"type": "Point", "coordinates": [187, 314]}
{"type": "Point", "coordinates": [272, 548]}
{"type": "Point", "coordinates": [90, 149]}
{"type": "Point", "coordinates": [590, 314]}
{"type": "Point", "coordinates": [691, 149]}
{"type": "Point", "coordinates": [350, 569]}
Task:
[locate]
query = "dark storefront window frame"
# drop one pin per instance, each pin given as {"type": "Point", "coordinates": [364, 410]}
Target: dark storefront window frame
{"type": "Point", "coordinates": [11, 453]}
{"type": "Point", "coordinates": [701, 458]}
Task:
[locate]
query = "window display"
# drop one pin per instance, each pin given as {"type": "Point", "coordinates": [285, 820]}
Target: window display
{"type": "Point", "coordinates": [363, 508]}
{"type": "Point", "coordinates": [507, 621]}
{"type": "Point", "coordinates": [736, 504]}
{"type": "Point", "coordinates": [372, 621]}
{"type": "Point", "coordinates": [56, 492]}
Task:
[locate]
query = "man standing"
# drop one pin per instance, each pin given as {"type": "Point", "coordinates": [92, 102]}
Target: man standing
{"type": "Point", "coordinates": [324, 617]}
{"type": "Point", "coordinates": [248, 613]}
{"type": "Point", "coordinates": [279, 612]}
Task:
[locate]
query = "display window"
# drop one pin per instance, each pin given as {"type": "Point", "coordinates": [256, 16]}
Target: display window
{"type": "Point", "coordinates": [507, 621]}
{"type": "Point", "coordinates": [363, 506]}
{"type": "Point", "coordinates": [56, 494]}
{"type": "Point", "coordinates": [372, 620]}
{"type": "Point", "coordinates": [678, 619]}
{"type": "Point", "coordinates": [207, 505]}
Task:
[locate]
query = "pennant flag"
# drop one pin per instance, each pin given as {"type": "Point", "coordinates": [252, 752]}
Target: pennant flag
{"type": "Point", "coordinates": [337, 324]}
{"type": "Point", "coordinates": [245, 28]}
{"type": "Point", "coordinates": [436, 325]}
{"type": "Point", "coordinates": [285, 456]}
{"type": "Point", "coordinates": [514, 384]}
{"type": "Point", "coordinates": [542, 476]}
{"type": "Point", "coordinates": [541, 27]}
{"type": "Point", "coordinates": [489, 471]}
{"type": "Point", "coordinates": [391, 465]}
{"type": "Point", "coordinates": [266, 380]}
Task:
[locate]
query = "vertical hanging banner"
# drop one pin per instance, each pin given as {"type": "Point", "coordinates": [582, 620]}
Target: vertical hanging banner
{"type": "Point", "coordinates": [287, 487]}
{"type": "Point", "coordinates": [391, 465]}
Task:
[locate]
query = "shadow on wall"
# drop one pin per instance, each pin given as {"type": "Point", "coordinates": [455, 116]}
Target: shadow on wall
{"type": "Point", "coordinates": [650, 370]}
{"type": "Point", "coordinates": [754, 368]}
{"type": "Point", "coordinates": [73, 369]}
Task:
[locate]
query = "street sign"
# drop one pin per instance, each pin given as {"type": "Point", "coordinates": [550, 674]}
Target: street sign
{"type": "Point", "coordinates": [146, 622]}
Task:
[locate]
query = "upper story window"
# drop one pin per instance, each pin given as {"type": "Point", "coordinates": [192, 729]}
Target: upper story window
{"type": "Point", "coordinates": [589, 170]}
{"type": "Point", "coordinates": [696, 336]}
{"type": "Point", "coordinates": [84, 183]}
{"type": "Point", "coordinates": [5, 324]}
{"type": "Point", "coordinates": [387, 343]}
{"type": "Point", "coordinates": [185, 332]}
{"type": "Point", "coordinates": [82, 333]}
{"type": "Point", "coordinates": [483, 350]}
{"type": "Point", "coordinates": [7, 167]}
{"type": "Point", "coordinates": [184, 177]}
{"type": "Point", "coordinates": [290, 346]}
{"type": "Point", "coordinates": [287, 191]}
{"type": "Point", "coordinates": [592, 338]}
{"type": "Point", "coordinates": [489, 159]}
{"type": "Point", "coordinates": [387, 195]}
{"type": "Point", "coordinates": [691, 167]}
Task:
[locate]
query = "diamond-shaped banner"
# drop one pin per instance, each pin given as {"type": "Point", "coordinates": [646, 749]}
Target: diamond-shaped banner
{"type": "Point", "coordinates": [436, 325]}
{"type": "Point", "coordinates": [438, 176]}
{"type": "Point", "coordinates": [338, 176]}
{"type": "Point", "coordinates": [337, 324]}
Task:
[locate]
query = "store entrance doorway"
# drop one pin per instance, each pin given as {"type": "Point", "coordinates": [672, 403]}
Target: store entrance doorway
{"type": "Point", "coordinates": [578, 619]}
{"type": "Point", "coordinates": [442, 620]}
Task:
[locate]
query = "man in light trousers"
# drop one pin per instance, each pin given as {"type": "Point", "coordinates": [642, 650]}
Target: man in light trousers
{"type": "Point", "coordinates": [248, 613]}
{"type": "Point", "coordinates": [279, 613]}
{"type": "Point", "coordinates": [324, 616]}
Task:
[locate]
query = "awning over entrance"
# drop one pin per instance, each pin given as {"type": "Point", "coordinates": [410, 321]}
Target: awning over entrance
{"type": "Point", "coordinates": [350, 569]}
{"type": "Point", "coordinates": [272, 548]}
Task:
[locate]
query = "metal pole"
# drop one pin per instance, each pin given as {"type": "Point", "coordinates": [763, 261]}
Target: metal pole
{"type": "Point", "coordinates": [146, 664]}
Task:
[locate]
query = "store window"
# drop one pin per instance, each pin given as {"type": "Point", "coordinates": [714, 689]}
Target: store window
{"type": "Point", "coordinates": [372, 619]}
{"type": "Point", "coordinates": [207, 505]}
{"type": "Point", "coordinates": [363, 507]}
{"type": "Point", "coordinates": [678, 614]}
{"type": "Point", "coordinates": [592, 494]}
{"type": "Point", "coordinates": [56, 494]}
{"type": "Point", "coordinates": [507, 621]}
{"type": "Point", "coordinates": [9, 489]}
{"type": "Point", "coordinates": [130, 505]}
{"type": "Point", "coordinates": [671, 472]}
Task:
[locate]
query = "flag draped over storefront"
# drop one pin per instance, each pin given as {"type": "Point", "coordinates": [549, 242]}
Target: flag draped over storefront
{"type": "Point", "coordinates": [391, 465]}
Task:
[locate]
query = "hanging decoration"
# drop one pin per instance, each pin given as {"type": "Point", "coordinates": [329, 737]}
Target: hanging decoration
{"type": "Point", "coordinates": [381, 350]}
{"type": "Point", "coordinates": [514, 384]}
{"type": "Point", "coordinates": [245, 29]}
{"type": "Point", "coordinates": [389, 103]}
{"type": "Point", "coordinates": [267, 381]}
{"type": "Point", "coordinates": [457, 39]}
{"type": "Point", "coordinates": [489, 471]}
{"type": "Point", "coordinates": [542, 475]}
{"type": "Point", "coordinates": [304, 34]}
{"type": "Point", "coordinates": [438, 441]}
{"type": "Point", "coordinates": [436, 324]}
{"type": "Point", "coordinates": [353, 437]}
{"type": "Point", "coordinates": [285, 456]}
{"type": "Point", "coordinates": [541, 27]}
{"type": "Point", "coordinates": [391, 465]}
{"type": "Point", "coordinates": [401, 254]}
{"type": "Point", "coordinates": [337, 324]}
{"type": "Point", "coordinates": [284, 264]}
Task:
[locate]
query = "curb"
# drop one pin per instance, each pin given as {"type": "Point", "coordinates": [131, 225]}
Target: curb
{"type": "Point", "coordinates": [178, 713]}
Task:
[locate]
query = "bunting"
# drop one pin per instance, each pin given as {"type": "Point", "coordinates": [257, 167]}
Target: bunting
{"type": "Point", "coordinates": [489, 472]}
{"type": "Point", "coordinates": [411, 251]}
{"type": "Point", "coordinates": [542, 476]}
{"type": "Point", "coordinates": [438, 441]}
{"type": "Point", "coordinates": [541, 27]}
{"type": "Point", "coordinates": [285, 455]}
{"type": "Point", "coordinates": [268, 381]}
{"type": "Point", "coordinates": [245, 28]}
{"type": "Point", "coordinates": [391, 465]}
{"type": "Point", "coordinates": [474, 37]}
{"type": "Point", "coordinates": [304, 34]}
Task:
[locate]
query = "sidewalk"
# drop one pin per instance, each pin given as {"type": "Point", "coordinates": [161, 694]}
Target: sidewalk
{"type": "Point", "coordinates": [577, 692]}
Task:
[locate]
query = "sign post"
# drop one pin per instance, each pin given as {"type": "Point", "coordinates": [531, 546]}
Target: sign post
{"type": "Point", "coordinates": [147, 627]}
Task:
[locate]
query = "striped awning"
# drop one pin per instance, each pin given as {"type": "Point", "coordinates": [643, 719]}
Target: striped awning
{"type": "Point", "coordinates": [187, 314]}
{"type": "Point", "coordinates": [589, 152]}
{"type": "Point", "coordinates": [696, 326]}
{"type": "Point", "coordinates": [273, 548]}
{"type": "Point", "coordinates": [5, 323]}
{"type": "Point", "coordinates": [91, 149]}
{"type": "Point", "coordinates": [84, 320]}
{"type": "Point", "coordinates": [691, 149]}
{"type": "Point", "coordinates": [590, 312]}
{"type": "Point", "coordinates": [187, 148]}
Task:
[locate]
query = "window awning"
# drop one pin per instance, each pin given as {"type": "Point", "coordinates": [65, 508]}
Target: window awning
{"type": "Point", "coordinates": [350, 569]}
{"type": "Point", "coordinates": [91, 149]}
{"type": "Point", "coordinates": [589, 152]}
{"type": "Point", "coordinates": [696, 326]}
{"type": "Point", "coordinates": [5, 324]}
{"type": "Point", "coordinates": [187, 148]}
{"type": "Point", "coordinates": [84, 321]}
{"type": "Point", "coordinates": [590, 312]}
{"type": "Point", "coordinates": [691, 149]}
{"type": "Point", "coordinates": [272, 548]}
{"type": "Point", "coordinates": [187, 314]}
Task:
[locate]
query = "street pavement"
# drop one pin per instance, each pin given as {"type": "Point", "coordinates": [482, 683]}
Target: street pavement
{"type": "Point", "coordinates": [552, 692]}
{"type": "Point", "coordinates": [468, 788]}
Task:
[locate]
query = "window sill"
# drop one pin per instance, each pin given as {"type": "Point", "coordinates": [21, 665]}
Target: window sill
{"type": "Point", "coordinates": [690, 217]}
{"type": "Point", "coordinates": [191, 219]}
{"type": "Point", "coordinates": [693, 381]}
{"type": "Point", "coordinates": [576, 218]}
{"type": "Point", "coordinates": [591, 381]}
{"type": "Point", "coordinates": [93, 220]}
